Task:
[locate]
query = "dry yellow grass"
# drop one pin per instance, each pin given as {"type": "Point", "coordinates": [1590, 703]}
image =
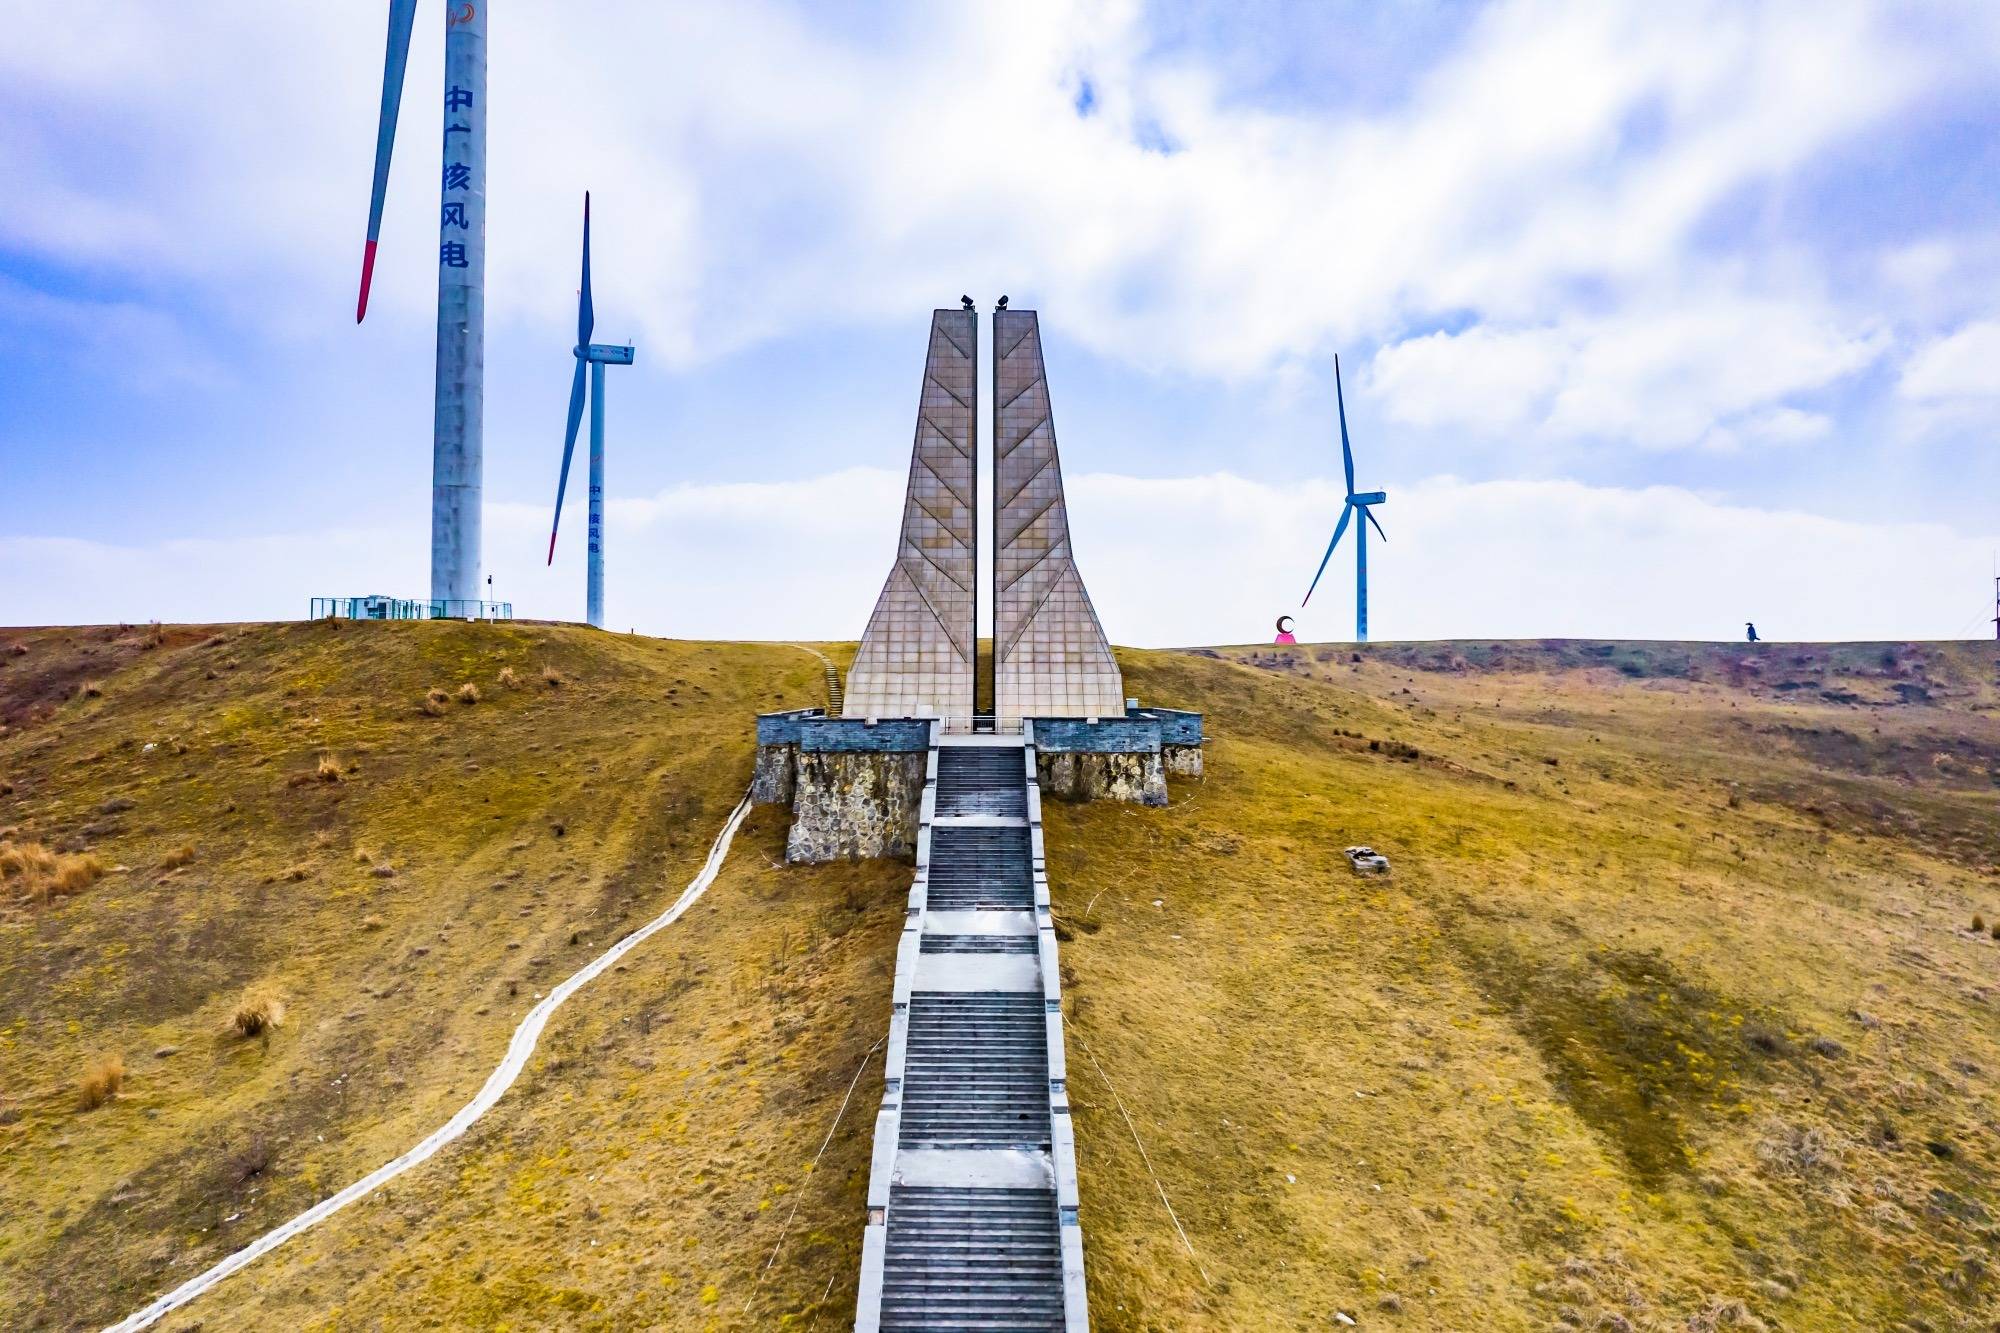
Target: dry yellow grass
{"type": "Point", "coordinates": [553, 678]}
{"type": "Point", "coordinates": [1607, 1048]}
{"type": "Point", "coordinates": [258, 1012]}
{"type": "Point", "coordinates": [508, 680]}
{"type": "Point", "coordinates": [178, 857]}
{"type": "Point", "coordinates": [436, 702]}
{"type": "Point", "coordinates": [102, 1080]}
{"type": "Point", "coordinates": [328, 769]}
{"type": "Point", "coordinates": [468, 693]}
{"type": "Point", "coordinates": [38, 875]}
{"type": "Point", "coordinates": [391, 1027]}
{"type": "Point", "coordinates": [1684, 1030]}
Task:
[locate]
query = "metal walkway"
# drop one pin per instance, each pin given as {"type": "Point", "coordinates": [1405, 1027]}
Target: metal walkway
{"type": "Point", "coordinates": [972, 1203]}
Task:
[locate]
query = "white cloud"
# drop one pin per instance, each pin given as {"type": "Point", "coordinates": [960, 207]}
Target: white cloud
{"type": "Point", "coordinates": [1169, 561]}
{"type": "Point", "coordinates": [1659, 377]}
{"type": "Point", "coordinates": [755, 171]}
{"type": "Point", "coordinates": [1964, 365]}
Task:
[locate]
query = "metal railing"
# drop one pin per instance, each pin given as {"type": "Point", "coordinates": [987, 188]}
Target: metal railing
{"type": "Point", "coordinates": [981, 724]}
{"type": "Point", "coordinates": [404, 608]}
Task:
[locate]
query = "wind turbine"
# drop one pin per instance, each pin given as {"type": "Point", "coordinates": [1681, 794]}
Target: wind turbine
{"type": "Point", "coordinates": [597, 356]}
{"type": "Point", "coordinates": [1357, 503]}
{"type": "Point", "coordinates": [458, 420]}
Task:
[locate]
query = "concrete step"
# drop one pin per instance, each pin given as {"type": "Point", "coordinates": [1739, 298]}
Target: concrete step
{"type": "Point", "coordinates": [952, 1262]}
{"type": "Point", "coordinates": [977, 944]}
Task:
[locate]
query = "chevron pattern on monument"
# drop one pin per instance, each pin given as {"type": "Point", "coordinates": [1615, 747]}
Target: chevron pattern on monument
{"type": "Point", "coordinates": [917, 655]}
{"type": "Point", "coordinates": [1051, 658]}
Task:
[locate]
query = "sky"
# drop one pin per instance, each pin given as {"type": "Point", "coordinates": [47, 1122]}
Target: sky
{"type": "Point", "coordinates": [1652, 319]}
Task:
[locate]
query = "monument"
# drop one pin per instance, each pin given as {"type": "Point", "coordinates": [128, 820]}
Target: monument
{"type": "Point", "coordinates": [919, 651]}
{"type": "Point", "coordinates": [1050, 656]}
{"type": "Point", "coordinates": [855, 782]}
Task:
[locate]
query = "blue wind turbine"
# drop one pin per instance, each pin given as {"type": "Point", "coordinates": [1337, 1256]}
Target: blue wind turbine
{"type": "Point", "coordinates": [1362, 503]}
{"type": "Point", "coordinates": [596, 356]}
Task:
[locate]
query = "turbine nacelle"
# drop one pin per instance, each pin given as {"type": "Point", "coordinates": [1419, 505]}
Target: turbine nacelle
{"type": "Point", "coordinates": [1368, 498]}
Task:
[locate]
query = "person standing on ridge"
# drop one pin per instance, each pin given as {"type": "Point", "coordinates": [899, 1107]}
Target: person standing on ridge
{"type": "Point", "coordinates": [1284, 631]}
{"type": "Point", "coordinates": [1750, 630]}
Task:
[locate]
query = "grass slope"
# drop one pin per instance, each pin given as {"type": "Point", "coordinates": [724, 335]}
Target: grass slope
{"type": "Point", "coordinates": [1669, 1016]}
{"type": "Point", "coordinates": [506, 842]}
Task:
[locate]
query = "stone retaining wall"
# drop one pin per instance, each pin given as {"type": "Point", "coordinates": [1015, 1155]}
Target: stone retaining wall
{"type": "Point", "coordinates": [1076, 776]}
{"type": "Point", "coordinates": [849, 805]}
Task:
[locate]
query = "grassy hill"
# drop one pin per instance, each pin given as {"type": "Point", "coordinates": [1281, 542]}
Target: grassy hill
{"type": "Point", "coordinates": [1669, 1015]}
{"type": "Point", "coordinates": [406, 914]}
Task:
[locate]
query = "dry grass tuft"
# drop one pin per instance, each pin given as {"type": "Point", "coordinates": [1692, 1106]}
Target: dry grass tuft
{"type": "Point", "coordinates": [1978, 924]}
{"type": "Point", "coordinates": [102, 1079]}
{"type": "Point", "coordinates": [75, 873]}
{"type": "Point", "coordinates": [468, 693]}
{"type": "Point", "coordinates": [329, 769]}
{"type": "Point", "coordinates": [178, 857]}
{"type": "Point", "coordinates": [258, 1012]}
{"type": "Point", "coordinates": [508, 680]}
{"type": "Point", "coordinates": [373, 921]}
{"type": "Point", "coordinates": [362, 856]}
{"type": "Point", "coordinates": [90, 689]}
{"type": "Point", "coordinates": [553, 678]}
{"type": "Point", "coordinates": [39, 875]}
{"type": "Point", "coordinates": [436, 702]}
{"type": "Point", "coordinates": [25, 859]}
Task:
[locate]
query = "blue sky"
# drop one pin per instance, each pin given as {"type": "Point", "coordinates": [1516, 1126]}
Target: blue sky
{"type": "Point", "coordinates": [1654, 318]}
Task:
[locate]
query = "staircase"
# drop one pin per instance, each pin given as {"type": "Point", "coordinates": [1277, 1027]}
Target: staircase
{"type": "Point", "coordinates": [836, 698]}
{"type": "Point", "coordinates": [972, 1204]}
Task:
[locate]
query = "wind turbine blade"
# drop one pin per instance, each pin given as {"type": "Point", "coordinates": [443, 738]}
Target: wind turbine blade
{"type": "Point", "coordinates": [569, 448]}
{"type": "Point", "coordinates": [1369, 514]}
{"type": "Point", "coordinates": [1346, 513]}
{"type": "Point", "coordinates": [1346, 453]}
{"type": "Point", "coordinates": [402, 16]}
{"type": "Point", "coordinates": [586, 313]}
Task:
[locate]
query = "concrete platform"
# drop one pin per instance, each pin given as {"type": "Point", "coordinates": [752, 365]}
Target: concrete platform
{"type": "Point", "coordinates": [994, 1168]}
{"type": "Point", "coordinates": [964, 972]}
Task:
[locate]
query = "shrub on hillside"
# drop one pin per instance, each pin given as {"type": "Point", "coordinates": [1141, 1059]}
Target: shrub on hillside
{"type": "Point", "coordinates": [101, 1081]}
{"type": "Point", "coordinates": [436, 701]}
{"type": "Point", "coordinates": [508, 680]}
{"type": "Point", "coordinates": [39, 875]}
{"type": "Point", "coordinates": [257, 1013]}
{"type": "Point", "coordinates": [468, 693]}
{"type": "Point", "coordinates": [552, 678]}
{"type": "Point", "coordinates": [328, 769]}
{"type": "Point", "coordinates": [90, 689]}
{"type": "Point", "coordinates": [77, 873]}
{"type": "Point", "coordinates": [178, 857]}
